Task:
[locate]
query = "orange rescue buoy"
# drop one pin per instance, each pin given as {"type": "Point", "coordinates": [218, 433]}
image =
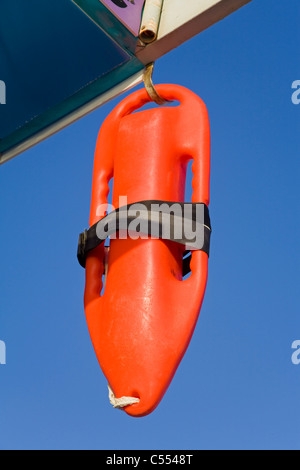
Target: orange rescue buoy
{"type": "Point", "coordinates": [142, 325]}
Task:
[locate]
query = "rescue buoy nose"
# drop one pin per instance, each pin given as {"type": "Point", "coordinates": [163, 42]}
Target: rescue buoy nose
{"type": "Point", "coordinates": [140, 404]}
{"type": "Point", "coordinates": [138, 410]}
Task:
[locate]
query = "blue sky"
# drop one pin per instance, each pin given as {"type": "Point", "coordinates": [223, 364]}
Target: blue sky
{"type": "Point", "coordinates": [236, 387]}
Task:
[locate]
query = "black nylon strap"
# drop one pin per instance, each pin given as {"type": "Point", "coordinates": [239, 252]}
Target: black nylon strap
{"type": "Point", "coordinates": [186, 263]}
{"type": "Point", "coordinates": [151, 214]}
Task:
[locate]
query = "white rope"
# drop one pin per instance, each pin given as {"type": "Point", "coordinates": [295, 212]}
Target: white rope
{"type": "Point", "coordinates": [120, 403]}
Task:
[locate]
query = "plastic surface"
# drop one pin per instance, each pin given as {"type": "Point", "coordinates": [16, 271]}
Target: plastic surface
{"type": "Point", "coordinates": [144, 321]}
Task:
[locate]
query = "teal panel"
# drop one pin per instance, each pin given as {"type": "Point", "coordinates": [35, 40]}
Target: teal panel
{"type": "Point", "coordinates": [62, 110]}
{"type": "Point", "coordinates": [109, 23]}
{"type": "Point", "coordinates": [53, 60]}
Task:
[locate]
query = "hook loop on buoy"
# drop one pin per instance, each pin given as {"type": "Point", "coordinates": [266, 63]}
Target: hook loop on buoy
{"type": "Point", "coordinates": [154, 95]}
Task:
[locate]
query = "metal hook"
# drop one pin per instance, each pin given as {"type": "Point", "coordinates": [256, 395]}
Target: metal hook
{"type": "Point", "coordinates": [150, 87]}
